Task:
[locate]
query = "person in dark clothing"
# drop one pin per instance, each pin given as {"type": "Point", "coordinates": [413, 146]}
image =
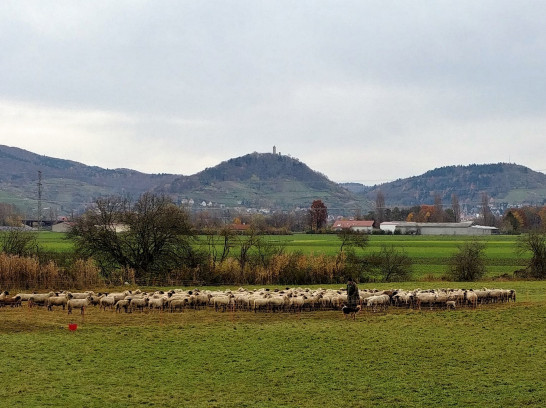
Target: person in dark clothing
{"type": "Point", "coordinates": [353, 297]}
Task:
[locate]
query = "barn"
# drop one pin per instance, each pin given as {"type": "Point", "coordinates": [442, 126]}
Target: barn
{"type": "Point", "coordinates": [360, 226]}
{"type": "Point", "coordinates": [437, 228]}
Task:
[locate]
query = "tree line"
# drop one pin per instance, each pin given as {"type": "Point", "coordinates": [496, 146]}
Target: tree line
{"type": "Point", "coordinates": [152, 240]}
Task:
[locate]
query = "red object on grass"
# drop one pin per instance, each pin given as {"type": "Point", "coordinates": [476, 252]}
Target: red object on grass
{"type": "Point", "coordinates": [72, 326]}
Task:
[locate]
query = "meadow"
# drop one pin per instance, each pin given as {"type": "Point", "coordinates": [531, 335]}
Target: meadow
{"type": "Point", "coordinates": [489, 357]}
{"type": "Point", "coordinates": [429, 254]}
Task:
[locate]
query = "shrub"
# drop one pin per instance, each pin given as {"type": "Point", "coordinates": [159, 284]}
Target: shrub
{"type": "Point", "coordinates": [26, 272]}
{"type": "Point", "coordinates": [391, 264]}
{"type": "Point", "coordinates": [468, 264]}
{"type": "Point", "coordinates": [534, 242]}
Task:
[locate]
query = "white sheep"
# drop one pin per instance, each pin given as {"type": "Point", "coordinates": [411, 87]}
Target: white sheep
{"type": "Point", "coordinates": [39, 298]}
{"type": "Point", "coordinates": [139, 303]}
{"type": "Point", "coordinates": [77, 304]}
{"type": "Point", "coordinates": [471, 298]}
{"type": "Point", "coordinates": [178, 303]}
{"type": "Point", "coordinates": [223, 302]}
{"type": "Point", "coordinates": [81, 295]}
{"type": "Point", "coordinates": [123, 304]}
{"type": "Point", "coordinates": [107, 301]}
{"type": "Point", "coordinates": [381, 301]}
{"type": "Point", "coordinates": [56, 301]}
{"type": "Point", "coordinates": [425, 298]}
{"type": "Point", "coordinates": [157, 303]}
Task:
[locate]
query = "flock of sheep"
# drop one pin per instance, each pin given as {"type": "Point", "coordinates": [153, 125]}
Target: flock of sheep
{"type": "Point", "coordinates": [260, 300]}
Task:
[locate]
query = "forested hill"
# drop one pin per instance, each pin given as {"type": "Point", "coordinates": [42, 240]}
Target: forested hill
{"type": "Point", "coordinates": [254, 180]}
{"type": "Point", "coordinates": [66, 185]}
{"type": "Point", "coordinates": [264, 180]}
{"type": "Point", "coordinates": [503, 182]}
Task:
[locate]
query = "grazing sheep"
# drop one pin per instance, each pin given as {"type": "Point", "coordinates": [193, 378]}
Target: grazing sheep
{"type": "Point", "coordinates": [77, 304]}
{"type": "Point", "coordinates": [157, 303]}
{"type": "Point", "coordinates": [471, 298]}
{"type": "Point", "coordinates": [381, 301]}
{"type": "Point", "coordinates": [178, 303]}
{"type": "Point", "coordinates": [107, 302]}
{"type": "Point", "coordinates": [425, 298]}
{"type": "Point", "coordinates": [39, 299]}
{"type": "Point", "coordinates": [223, 302]}
{"type": "Point", "coordinates": [94, 300]}
{"type": "Point", "coordinates": [25, 297]}
{"type": "Point", "coordinates": [269, 300]}
{"type": "Point", "coordinates": [123, 304]}
{"type": "Point", "coordinates": [56, 301]}
{"type": "Point", "coordinates": [402, 299]}
{"type": "Point", "coordinates": [296, 303]}
{"type": "Point", "coordinates": [82, 295]}
{"type": "Point", "coordinates": [13, 301]}
{"type": "Point", "coordinates": [139, 303]}
{"type": "Point", "coordinates": [278, 303]}
{"type": "Point", "coordinates": [512, 295]}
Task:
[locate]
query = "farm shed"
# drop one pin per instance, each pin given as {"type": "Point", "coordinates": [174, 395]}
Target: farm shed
{"type": "Point", "coordinates": [239, 228]}
{"type": "Point", "coordinates": [61, 227]}
{"type": "Point", "coordinates": [436, 228]}
{"type": "Point", "coordinates": [360, 226]}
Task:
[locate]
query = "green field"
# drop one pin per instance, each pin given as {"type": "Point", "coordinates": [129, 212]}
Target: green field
{"type": "Point", "coordinates": [490, 357]}
{"type": "Point", "coordinates": [429, 254]}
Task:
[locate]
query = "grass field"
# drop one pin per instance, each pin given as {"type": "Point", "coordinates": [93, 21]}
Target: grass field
{"type": "Point", "coordinates": [490, 357]}
{"type": "Point", "coordinates": [429, 254]}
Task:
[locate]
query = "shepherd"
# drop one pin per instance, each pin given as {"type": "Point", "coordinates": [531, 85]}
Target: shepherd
{"type": "Point", "coordinates": [353, 299]}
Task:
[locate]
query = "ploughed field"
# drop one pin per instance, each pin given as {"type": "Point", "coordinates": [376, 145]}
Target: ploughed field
{"type": "Point", "coordinates": [489, 356]}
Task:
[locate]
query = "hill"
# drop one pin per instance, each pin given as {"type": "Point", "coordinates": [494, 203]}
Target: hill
{"type": "Point", "coordinates": [66, 185]}
{"type": "Point", "coordinates": [254, 180]}
{"type": "Point", "coordinates": [264, 180]}
{"type": "Point", "coordinates": [506, 184]}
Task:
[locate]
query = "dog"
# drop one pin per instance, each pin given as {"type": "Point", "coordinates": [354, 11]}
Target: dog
{"type": "Point", "coordinates": [350, 311]}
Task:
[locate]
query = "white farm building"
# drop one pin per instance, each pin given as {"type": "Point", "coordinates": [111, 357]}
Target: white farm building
{"type": "Point", "coordinates": [360, 226]}
{"type": "Point", "coordinates": [436, 228]}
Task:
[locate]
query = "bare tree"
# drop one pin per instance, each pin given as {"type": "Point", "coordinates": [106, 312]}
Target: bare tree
{"type": "Point", "coordinates": [535, 243]}
{"type": "Point", "coordinates": [456, 207]}
{"type": "Point", "coordinates": [152, 237]}
{"type": "Point", "coordinates": [469, 263]}
{"type": "Point", "coordinates": [391, 264]}
{"type": "Point", "coordinates": [352, 239]}
{"type": "Point", "coordinates": [19, 242]}
{"type": "Point", "coordinates": [380, 206]}
{"type": "Point", "coordinates": [438, 213]}
{"type": "Point", "coordinates": [487, 216]}
{"type": "Point", "coordinates": [318, 215]}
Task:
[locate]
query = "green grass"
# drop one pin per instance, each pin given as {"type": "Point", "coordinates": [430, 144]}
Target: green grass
{"type": "Point", "coordinates": [490, 357]}
{"type": "Point", "coordinates": [54, 241]}
{"type": "Point", "coordinates": [429, 254]}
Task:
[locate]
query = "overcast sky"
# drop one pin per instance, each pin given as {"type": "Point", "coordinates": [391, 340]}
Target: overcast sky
{"type": "Point", "coordinates": [363, 91]}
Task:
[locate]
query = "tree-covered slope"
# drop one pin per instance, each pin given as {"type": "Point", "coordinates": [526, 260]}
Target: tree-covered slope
{"type": "Point", "coordinates": [265, 180]}
{"type": "Point", "coordinates": [503, 182]}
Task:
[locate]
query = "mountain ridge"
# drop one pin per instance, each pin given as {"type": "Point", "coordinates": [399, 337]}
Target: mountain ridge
{"type": "Point", "coordinates": [505, 183]}
{"type": "Point", "coordinates": [259, 181]}
{"type": "Point", "coordinates": [254, 180]}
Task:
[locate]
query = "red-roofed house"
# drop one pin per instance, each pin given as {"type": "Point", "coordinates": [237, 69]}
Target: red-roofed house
{"type": "Point", "coordinates": [360, 226]}
{"type": "Point", "coordinates": [239, 227]}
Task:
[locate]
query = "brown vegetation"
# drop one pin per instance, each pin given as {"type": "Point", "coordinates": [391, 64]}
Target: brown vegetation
{"type": "Point", "coordinates": [27, 273]}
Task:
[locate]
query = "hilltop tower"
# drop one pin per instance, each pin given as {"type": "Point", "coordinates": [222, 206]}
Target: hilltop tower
{"type": "Point", "coordinates": [274, 149]}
